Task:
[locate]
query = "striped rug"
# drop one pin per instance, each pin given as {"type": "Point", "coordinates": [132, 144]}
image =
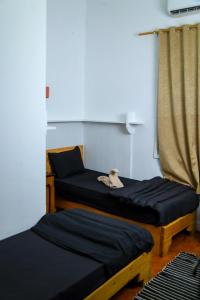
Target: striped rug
{"type": "Point", "coordinates": [179, 280]}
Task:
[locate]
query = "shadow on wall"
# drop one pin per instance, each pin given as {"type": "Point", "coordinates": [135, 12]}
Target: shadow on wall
{"type": "Point", "coordinates": [163, 6]}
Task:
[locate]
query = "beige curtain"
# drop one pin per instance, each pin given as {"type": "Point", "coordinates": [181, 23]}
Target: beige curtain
{"type": "Point", "coordinates": [179, 105]}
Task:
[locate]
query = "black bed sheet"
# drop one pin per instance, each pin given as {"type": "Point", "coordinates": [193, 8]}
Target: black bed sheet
{"type": "Point", "coordinates": [86, 189]}
{"type": "Point", "coordinates": [32, 268]}
{"type": "Point", "coordinates": [112, 242]}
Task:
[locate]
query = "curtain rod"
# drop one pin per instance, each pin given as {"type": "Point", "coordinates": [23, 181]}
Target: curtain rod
{"type": "Point", "coordinates": [165, 30]}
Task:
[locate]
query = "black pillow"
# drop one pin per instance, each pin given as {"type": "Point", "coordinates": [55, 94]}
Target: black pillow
{"type": "Point", "coordinates": [66, 163]}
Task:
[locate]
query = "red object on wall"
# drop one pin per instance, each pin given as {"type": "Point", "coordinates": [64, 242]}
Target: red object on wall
{"type": "Point", "coordinates": [47, 92]}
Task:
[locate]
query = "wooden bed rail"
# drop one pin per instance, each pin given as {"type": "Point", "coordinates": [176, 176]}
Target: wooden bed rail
{"type": "Point", "coordinates": [139, 268]}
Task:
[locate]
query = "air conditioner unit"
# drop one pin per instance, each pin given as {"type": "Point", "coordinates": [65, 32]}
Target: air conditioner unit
{"type": "Point", "coordinates": [178, 8]}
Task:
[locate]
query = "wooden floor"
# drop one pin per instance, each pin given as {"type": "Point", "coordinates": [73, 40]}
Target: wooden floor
{"type": "Point", "coordinates": [181, 242]}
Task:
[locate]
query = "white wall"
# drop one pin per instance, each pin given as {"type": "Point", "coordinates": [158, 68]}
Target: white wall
{"type": "Point", "coordinates": [99, 68]}
{"type": "Point", "coordinates": [66, 23]}
{"type": "Point", "coordinates": [96, 137]}
{"type": "Point", "coordinates": [121, 70]}
{"type": "Point", "coordinates": [66, 134]}
{"type": "Point", "coordinates": [22, 114]}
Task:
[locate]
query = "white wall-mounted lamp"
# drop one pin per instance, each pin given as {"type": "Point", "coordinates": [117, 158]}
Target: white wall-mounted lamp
{"type": "Point", "coordinates": [130, 118]}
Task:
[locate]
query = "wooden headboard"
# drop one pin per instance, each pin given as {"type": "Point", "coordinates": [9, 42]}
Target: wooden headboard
{"type": "Point", "coordinates": [57, 150]}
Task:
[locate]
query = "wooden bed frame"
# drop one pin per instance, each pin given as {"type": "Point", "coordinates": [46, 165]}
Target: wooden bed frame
{"type": "Point", "coordinates": [139, 268]}
{"type": "Point", "coordinates": [162, 235]}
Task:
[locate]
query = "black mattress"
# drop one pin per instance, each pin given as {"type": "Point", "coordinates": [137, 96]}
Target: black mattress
{"type": "Point", "coordinates": [33, 268]}
{"type": "Point", "coordinates": [86, 189]}
{"type": "Point", "coordinates": [67, 255]}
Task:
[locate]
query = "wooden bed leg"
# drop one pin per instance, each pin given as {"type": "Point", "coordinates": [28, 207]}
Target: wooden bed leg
{"type": "Point", "coordinates": [145, 274]}
{"type": "Point", "coordinates": [144, 277]}
{"type": "Point", "coordinates": [165, 244]}
{"type": "Point", "coordinates": [191, 228]}
{"type": "Point", "coordinates": [169, 231]}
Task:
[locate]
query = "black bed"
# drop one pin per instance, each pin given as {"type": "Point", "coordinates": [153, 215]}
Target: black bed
{"type": "Point", "coordinates": [174, 200]}
{"type": "Point", "coordinates": [33, 268]}
{"type": "Point", "coordinates": [42, 264]}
